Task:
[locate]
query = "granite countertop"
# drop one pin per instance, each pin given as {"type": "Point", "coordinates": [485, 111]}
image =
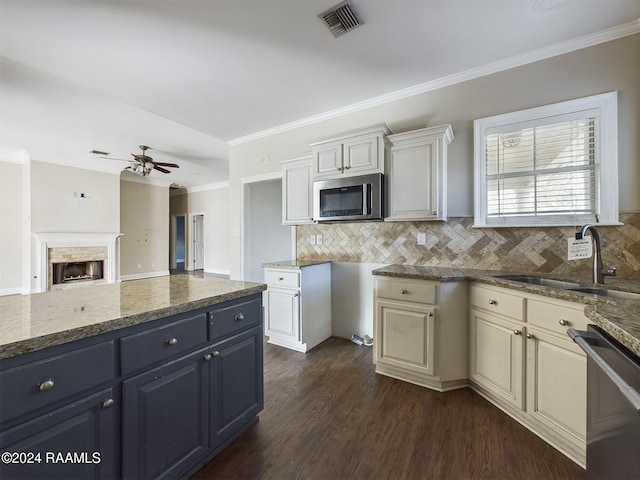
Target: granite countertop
{"type": "Point", "coordinates": [620, 318]}
{"type": "Point", "coordinates": [293, 264]}
{"type": "Point", "coordinates": [33, 322]}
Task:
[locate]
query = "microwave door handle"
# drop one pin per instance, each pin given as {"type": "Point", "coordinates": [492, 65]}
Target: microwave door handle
{"type": "Point", "coordinates": [365, 207]}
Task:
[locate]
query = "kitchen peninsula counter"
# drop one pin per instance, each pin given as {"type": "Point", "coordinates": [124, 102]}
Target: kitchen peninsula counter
{"type": "Point", "coordinates": [620, 318]}
{"type": "Point", "coordinates": [34, 322]}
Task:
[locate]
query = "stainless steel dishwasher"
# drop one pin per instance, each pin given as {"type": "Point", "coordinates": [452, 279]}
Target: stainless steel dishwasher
{"type": "Point", "coordinates": [613, 406]}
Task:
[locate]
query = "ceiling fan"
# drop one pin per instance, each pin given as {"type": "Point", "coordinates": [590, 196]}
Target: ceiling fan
{"type": "Point", "coordinates": [142, 164]}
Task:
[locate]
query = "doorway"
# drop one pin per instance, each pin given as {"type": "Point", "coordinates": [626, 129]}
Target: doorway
{"type": "Point", "coordinates": [178, 243]}
{"type": "Point", "coordinates": [197, 242]}
{"type": "Point", "coordinates": [264, 237]}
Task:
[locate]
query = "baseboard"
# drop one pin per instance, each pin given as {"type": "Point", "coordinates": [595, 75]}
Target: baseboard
{"type": "Point", "coordinates": [11, 291]}
{"type": "Point", "coordinates": [138, 276]}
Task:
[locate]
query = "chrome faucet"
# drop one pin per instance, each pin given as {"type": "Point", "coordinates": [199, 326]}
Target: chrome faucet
{"type": "Point", "coordinates": [599, 272]}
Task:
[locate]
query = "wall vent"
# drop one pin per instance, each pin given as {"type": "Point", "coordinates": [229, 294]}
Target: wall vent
{"type": "Point", "coordinates": [340, 19]}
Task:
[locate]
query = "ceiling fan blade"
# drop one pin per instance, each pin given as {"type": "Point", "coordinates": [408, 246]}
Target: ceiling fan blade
{"type": "Point", "coordinates": [142, 158]}
{"type": "Point", "coordinates": [160, 169]}
{"type": "Point", "coordinates": [173, 165]}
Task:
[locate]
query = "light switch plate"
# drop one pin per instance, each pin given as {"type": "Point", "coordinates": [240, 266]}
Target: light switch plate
{"type": "Point", "coordinates": [319, 239]}
{"type": "Point", "coordinates": [422, 239]}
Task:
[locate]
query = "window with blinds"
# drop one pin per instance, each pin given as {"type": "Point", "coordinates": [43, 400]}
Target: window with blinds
{"type": "Point", "coordinates": [543, 166]}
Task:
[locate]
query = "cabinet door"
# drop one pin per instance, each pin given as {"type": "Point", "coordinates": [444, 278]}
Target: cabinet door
{"type": "Point", "coordinates": [88, 429]}
{"type": "Point", "coordinates": [413, 182]}
{"type": "Point", "coordinates": [557, 384]}
{"type": "Point", "coordinates": [166, 418]}
{"type": "Point", "coordinates": [361, 156]}
{"type": "Point", "coordinates": [283, 313]}
{"type": "Point", "coordinates": [297, 203]}
{"type": "Point", "coordinates": [237, 392]}
{"type": "Point", "coordinates": [496, 356]}
{"type": "Point", "coordinates": [405, 336]}
{"type": "Point", "coordinates": [327, 160]}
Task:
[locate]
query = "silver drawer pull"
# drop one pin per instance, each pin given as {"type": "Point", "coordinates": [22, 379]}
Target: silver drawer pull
{"type": "Point", "coordinates": [517, 332]}
{"type": "Point", "coordinates": [172, 341]}
{"type": "Point", "coordinates": [404, 292]}
{"type": "Point", "coordinates": [208, 357]}
{"type": "Point", "coordinates": [216, 353]}
{"type": "Point", "coordinates": [108, 403]}
{"type": "Point", "coordinates": [530, 336]}
{"type": "Point", "coordinates": [493, 302]}
{"type": "Point", "coordinates": [239, 317]}
{"type": "Point", "coordinates": [563, 322]}
{"type": "Point", "coordinates": [429, 314]}
{"type": "Point", "coordinates": [47, 385]}
{"type": "Point", "coordinates": [280, 279]}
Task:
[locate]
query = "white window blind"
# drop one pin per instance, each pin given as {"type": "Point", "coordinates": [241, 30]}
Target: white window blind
{"type": "Point", "coordinates": [541, 169]}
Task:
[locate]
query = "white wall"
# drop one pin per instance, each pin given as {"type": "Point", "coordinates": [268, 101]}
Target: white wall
{"type": "Point", "coordinates": [144, 224]}
{"type": "Point", "coordinates": [13, 216]}
{"type": "Point", "coordinates": [214, 204]}
{"type": "Point", "coordinates": [57, 204]}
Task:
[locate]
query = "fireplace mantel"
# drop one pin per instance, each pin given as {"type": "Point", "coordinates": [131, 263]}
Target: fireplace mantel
{"type": "Point", "coordinates": [48, 240]}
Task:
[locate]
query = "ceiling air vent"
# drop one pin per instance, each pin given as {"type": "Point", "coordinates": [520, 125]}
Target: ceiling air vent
{"type": "Point", "coordinates": [340, 19]}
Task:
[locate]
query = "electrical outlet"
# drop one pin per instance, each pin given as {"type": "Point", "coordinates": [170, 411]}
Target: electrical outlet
{"type": "Point", "coordinates": [312, 239]}
{"type": "Point", "coordinates": [422, 239]}
{"type": "Point", "coordinates": [319, 239]}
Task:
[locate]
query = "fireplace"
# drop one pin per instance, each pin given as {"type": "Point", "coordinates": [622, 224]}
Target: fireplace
{"type": "Point", "coordinates": [69, 259]}
{"type": "Point", "coordinates": [77, 271]}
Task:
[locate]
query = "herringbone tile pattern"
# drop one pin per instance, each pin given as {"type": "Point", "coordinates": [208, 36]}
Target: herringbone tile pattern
{"type": "Point", "coordinates": [456, 243]}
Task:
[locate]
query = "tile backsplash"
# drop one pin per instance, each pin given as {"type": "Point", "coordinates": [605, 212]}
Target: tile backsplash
{"type": "Point", "coordinates": [456, 243]}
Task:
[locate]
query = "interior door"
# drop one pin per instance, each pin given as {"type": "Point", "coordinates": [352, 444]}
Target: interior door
{"type": "Point", "coordinates": [198, 242]}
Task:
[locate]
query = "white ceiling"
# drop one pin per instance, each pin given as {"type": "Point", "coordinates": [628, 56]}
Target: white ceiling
{"type": "Point", "coordinates": [188, 76]}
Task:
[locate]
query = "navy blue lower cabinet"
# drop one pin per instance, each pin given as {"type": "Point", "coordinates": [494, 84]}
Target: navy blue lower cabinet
{"type": "Point", "coordinates": [237, 391]}
{"type": "Point", "coordinates": [166, 418]}
{"type": "Point", "coordinates": [79, 440]}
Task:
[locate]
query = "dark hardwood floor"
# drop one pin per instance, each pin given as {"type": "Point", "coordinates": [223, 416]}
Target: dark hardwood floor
{"type": "Point", "coordinates": [327, 415]}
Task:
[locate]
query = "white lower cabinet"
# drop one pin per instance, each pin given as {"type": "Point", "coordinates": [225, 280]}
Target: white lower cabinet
{"type": "Point", "coordinates": [297, 306]}
{"type": "Point", "coordinates": [522, 360]}
{"type": "Point", "coordinates": [420, 331]}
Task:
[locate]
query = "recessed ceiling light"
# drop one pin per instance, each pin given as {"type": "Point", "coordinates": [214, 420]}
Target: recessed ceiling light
{"type": "Point", "coordinates": [544, 5]}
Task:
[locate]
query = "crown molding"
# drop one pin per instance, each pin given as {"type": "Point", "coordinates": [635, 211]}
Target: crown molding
{"type": "Point", "coordinates": [561, 48]}
{"type": "Point", "coordinates": [208, 186]}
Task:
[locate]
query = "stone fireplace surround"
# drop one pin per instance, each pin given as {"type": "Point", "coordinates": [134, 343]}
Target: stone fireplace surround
{"type": "Point", "coordinates": [75, 247]}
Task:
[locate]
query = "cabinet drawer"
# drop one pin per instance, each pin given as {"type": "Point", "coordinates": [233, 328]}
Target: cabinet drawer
{"type": "Point", "coordinates": [407, 290]}
{"type": "Point", "coordinates": [278, 278]}
{"type": "Point", "coordinates": [39, 384]}
{"type": "Point", "coordinates": [151, 346]}
{"type": "Point", "coordinates": [235, 317]}
{"type": "Point", "coordinates": [555, 316]}
{"type": "Point", "coordinates": [497, 301]}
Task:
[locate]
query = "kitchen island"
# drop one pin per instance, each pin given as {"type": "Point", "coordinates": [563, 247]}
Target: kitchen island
{"type": "Point", "coordinates": [138, 379]}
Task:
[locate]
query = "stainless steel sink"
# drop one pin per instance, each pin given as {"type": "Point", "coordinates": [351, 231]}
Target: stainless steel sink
{"type": "Point", "coordinates": [605, 292]}
{"type": "Point", "coordinates": [570, 286]}
{"type": "Point", "coordinates": [545, 282]}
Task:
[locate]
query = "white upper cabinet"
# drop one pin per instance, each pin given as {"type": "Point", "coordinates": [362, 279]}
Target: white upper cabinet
{"type": "Point", "coordinates": [417, 174]}
{"type": "Point", "coordinates": [356, 152]}
{"type": "Point", "coordinates": [297, 191]}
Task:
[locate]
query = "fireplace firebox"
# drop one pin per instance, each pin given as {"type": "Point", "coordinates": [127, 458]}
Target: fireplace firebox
{"type": "Point", "coordinates": [66, 272]}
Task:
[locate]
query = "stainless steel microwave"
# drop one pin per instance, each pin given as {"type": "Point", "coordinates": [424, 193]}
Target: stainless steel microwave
{"type": "Point", "coordinates": [349, 198]}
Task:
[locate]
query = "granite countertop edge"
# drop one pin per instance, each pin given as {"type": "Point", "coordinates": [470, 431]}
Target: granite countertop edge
{"type": "Point", "coordinates": [294, 264]}
{"type": "Point", "coordinates": [33, 344]}
{"type": "Point", "coordinates": [620, 318]}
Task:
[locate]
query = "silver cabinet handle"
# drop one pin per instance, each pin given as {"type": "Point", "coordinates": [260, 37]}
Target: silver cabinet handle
{"type": "Point", "coordinates": [108, 403]}
{"type": "Point", "coordinates": [46, 385]}
{"type": "Point", "coordinates": [208, 357]}
{"type": "Point", "coordinates": [172, 341]}
{"type": "Point", "coordinates": [239, 317]}
{"type": "Point", "coordinates": [216, 353]}
{"type": "Point", "coordinates": [517, 332]}
{"type": "Point", "coordinates": [404, 292]}
{"type": "Point", "coordinates": [346, 167]}
{"type": "Point", "coordinates": [563, 322]}
{"type": "Point", "coordinates": [280, 279]}
{"type": "Point", "coordinates": [430, 314]}
{"type": "Point", "coordinates": [493, 302]}
{"type": "Point", "coordinates": [530, 336]}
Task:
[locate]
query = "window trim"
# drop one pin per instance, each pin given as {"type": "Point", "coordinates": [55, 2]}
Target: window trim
{"type": "Point", "coordinates": [607, 206]}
